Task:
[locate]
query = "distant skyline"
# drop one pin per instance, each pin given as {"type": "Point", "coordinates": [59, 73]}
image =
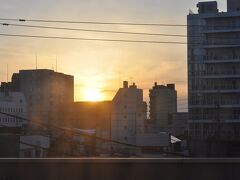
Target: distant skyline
{"type": "Point", "coordinates": [101, 66]}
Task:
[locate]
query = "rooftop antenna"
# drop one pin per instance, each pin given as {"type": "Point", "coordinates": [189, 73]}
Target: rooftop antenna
{"type": "Point", "coordinates": [36, 62]}
{"type": "Point", "coordinates": [56, 64]}
{"type": "Point", "coordinates": [191, 12]}
{"type": "Point", "coordinates": [7, 72]}
{"type": "Point", "coordinates": [52, 67]}
{"type": "Point", "coordinates": [131, 80]}
{"type": "Point", "coordinates": [119, 79]}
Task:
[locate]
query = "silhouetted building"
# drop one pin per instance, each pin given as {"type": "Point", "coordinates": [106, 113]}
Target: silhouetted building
{"type": "Point", "coordinates": [163, 104]}
{"type": "Point", "coordinates": [214, 79]}
{"type": "Point", "coordinates": [10, 145]}
{"type": "Point", "coordinates": [46, 92]}
{"type": "Point", "coordinates": [88, 115]}
{"type": "Point", "coordinates": [178, 124]}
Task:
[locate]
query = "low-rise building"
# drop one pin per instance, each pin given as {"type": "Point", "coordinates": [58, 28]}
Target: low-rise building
{"type": "Point", "coordinates": [35, 146]}
{"type": "Point", "coordinates": [178, 124]}
{"type": "Point", "coordinates": [12, 103]}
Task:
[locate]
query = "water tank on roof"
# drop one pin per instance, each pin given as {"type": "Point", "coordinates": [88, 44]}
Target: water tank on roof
{"type": "Point", "coordinates": [207, 7]}
{"type": "Point", "coordinates": [233, 5]}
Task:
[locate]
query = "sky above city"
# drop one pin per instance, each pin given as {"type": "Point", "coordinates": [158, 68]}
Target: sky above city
{"type": "Point", "coordinates": [100, 66]}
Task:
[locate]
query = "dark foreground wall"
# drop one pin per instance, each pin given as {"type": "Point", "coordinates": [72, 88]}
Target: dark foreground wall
{"type": "Point", "coordinates": [120, 169]}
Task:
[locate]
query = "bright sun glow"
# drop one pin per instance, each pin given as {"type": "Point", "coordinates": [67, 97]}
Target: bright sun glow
{"type": "Point", "coordinates": [93, 94]}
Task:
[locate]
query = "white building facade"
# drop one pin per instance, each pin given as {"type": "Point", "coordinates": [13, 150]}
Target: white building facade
{"type": "Point", "coordinates": [128, 124]}
{"type": "Point", "coordinates": [12, 103]}
{"type": "Point", "coordinates": [129, 113]}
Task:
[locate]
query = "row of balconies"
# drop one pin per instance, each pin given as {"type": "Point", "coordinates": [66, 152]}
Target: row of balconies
{"type": "Point", "coordinates": [215, 117]}
{"type": "Point", "coordinates": [226, 27]}
{"type": "Point", "coordinates": [222, 42]}
{"type": "Point", "coordinates": [216, 57]}
{"type": "Point", "coordinates": [220, 87]}
{"type": "Point", "coordinates": [217, 102]}
{"type": "Point", "coordinates": [216, 73]}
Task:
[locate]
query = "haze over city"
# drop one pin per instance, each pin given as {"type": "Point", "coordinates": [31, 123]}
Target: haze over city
{"type": "Point", "coordinates": [99, 67]}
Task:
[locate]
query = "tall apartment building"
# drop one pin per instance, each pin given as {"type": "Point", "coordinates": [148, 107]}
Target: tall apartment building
{"type": "Point", "coordinates": [129, 112]}
{"type": "Point", "coordinates": [163, 104]}
{"type": "Point", "coordinates": [214, 78]}
{"type": "Point", "coordinates": [46, 92]}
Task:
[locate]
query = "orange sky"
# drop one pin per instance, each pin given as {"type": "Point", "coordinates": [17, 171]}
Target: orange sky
{"type": "Point", "coordinates": [100, 65]}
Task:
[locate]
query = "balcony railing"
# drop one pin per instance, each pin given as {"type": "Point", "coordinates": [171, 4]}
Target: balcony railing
{"type": "Point", "coordinates": [215, 103]}
{"type": "Point", "coordinates": [221, 28]}
{"type": "Point", "coordinates": [222, 42]}
{"type": "Point", "coordinates": [217, 73]}
{"type": "Point", "coordinates": [219, 58]}
{"type": "Point", "coordinates": [215, 117]}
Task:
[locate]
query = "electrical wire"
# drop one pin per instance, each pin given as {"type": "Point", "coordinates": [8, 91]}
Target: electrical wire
{"type": "Point", "coordinates": [81, 133]}
{"type": "Point", "coordinates": [92, 39]}
{"type": "Point", "coordinates": [114, 32]}
{"type": "Point", "coordinates": [108, 23]}
{"type": "Point", "coordinates": [94, 30]}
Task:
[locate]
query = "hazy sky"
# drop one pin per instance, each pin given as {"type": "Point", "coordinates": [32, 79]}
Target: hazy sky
{"type": "Point", "coordinates": [100, 65]}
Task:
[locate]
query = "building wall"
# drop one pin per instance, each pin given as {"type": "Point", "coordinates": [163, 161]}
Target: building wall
{"type": "Point", "coordinates": [128, 114]}
{"type": "Point", "coordinates": [88, 115]}
{"type": "Point", "coordinates": [45, 91]}
{"type": "Point", "coordinates": [40, 151]}
{"type": "Point", "coordinates": [163, 103]}
{"type": "Point", "coordinates": [179, 124]}
{"type": "Point", "coordinates": [233, 5]}
{"type": "Point", "coordinates": [13, 103]}
{"type": "Point", "coordinates": [213, 76]}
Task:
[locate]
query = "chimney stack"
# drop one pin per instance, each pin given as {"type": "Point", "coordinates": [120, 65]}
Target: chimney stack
{"type": "Point", "coordinates": [125, 84]}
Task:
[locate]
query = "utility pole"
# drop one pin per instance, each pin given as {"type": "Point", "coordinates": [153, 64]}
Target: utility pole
{"type": "Point", "coordinates": [7, 72]}
{"type": "Point", "coordinates": [36, 62]}
{"type": "Point", "coordinates": [56, 64]}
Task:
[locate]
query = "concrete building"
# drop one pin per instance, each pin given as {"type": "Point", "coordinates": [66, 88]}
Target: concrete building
{"type": "Point", "coordinates": [163, 103]}
{"type": "Point", "coordinates": [178, 124]}
{"type": "Point", "coordinates": [129, 112]}
{"type": "Point", "coordinates": [34, 146]}
{"type": "Point", "coordinates": [128, 124]}
{"type": "Point", "coordinates": [46, 92]}
{"type": "Point", "coordinates": [13, 103]}
{"type": "Point", "coordinates": [214, 79]}
{"type": "Point", "coordinates": [89, 115]}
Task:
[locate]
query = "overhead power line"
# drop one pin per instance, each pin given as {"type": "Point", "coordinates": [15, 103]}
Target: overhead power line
{"type": "Point", "coordinates": [108, 23]}
{"type": "Point", "coordinates": [91, 22]}
{"type": "Point", "coordinates": [79, 133]}
{"type": "Point", "coordinates": [40, 147]}
{"type": "Point", "coordinates": [93, 30]}
{"type": "Point", "coordinates": [92, 39]}
{"type": "Point", "coordinates": [110, 40]}
{"type": "Point", "coordinates": [111, 31]}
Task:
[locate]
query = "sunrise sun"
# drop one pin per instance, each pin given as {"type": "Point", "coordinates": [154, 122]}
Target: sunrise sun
{"type": "Point", "coordinates": [93, 94]}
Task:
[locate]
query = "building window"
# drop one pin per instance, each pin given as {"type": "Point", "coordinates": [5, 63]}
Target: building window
{"type": "Point", "coordinates": [38, 153]}
{"type": "Point", "coordinates": [170, 118]}
{"type": "Point", "coordinates": [27, 154]}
